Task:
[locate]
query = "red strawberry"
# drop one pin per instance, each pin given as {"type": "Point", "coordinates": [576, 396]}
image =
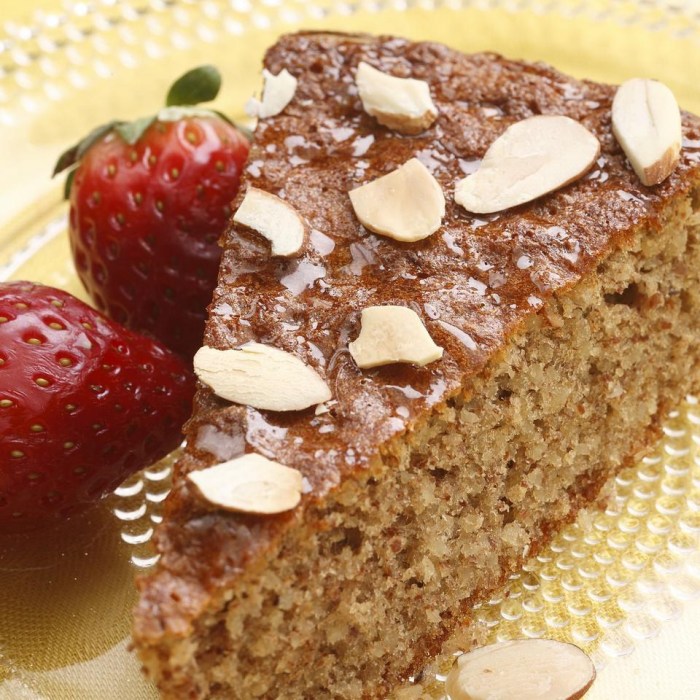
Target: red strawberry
{"type": "Point", "coordinates": [149, 201]}
{"type": "Point", "coordinates": [84, 403]}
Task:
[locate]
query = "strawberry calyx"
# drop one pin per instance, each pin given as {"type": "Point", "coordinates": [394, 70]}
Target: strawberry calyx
{"type": "Point", "coordinates": [198, 85]}
{"type": "Point", "coordinates": [201, 84]}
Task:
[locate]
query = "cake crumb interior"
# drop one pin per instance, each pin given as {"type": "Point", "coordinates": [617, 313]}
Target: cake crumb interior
{"type": "Point", "coordinates": [389, 566]}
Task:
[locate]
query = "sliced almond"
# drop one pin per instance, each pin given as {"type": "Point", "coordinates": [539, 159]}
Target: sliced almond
{"type": "Point", "coordinates": [249, 484]}
{"type": "Point", "coordinates": [406, 205]}
{"type": "Point", "coordinates": [529, 159]}
{"type": "Point", "coordinates": [390, 334]}
{"type": "Point", "coordinates": [527, 669]}
{"type": "Point", "coordinates": [261, 376]}
{"type": "Point", "coordinates": [403, 104]}
{"type": "Point", "coordinates": [646, 122]}
{"type": "Point", "coordinates": [324, 408]}
{"type": "Point", "coordinates": [273, 218]}
{"type": "Point", "coordinates": [278, 92]}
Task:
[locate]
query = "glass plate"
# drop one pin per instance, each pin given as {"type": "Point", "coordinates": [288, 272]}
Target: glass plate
{"type": "Point", "coordinates": [606, 583]}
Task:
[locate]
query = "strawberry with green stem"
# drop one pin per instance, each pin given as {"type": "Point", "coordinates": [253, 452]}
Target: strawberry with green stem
{"type": "Point", "coordinates": [84, 403]}
{"type": "Point", "coordinates": [149, 200]}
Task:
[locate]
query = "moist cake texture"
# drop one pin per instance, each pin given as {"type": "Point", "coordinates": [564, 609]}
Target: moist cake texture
{"type": "Point", "coordinates": [569, 325]}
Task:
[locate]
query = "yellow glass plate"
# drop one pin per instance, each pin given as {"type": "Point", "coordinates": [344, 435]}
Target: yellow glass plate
{"type": "Point", "coordinates": [605, 583]}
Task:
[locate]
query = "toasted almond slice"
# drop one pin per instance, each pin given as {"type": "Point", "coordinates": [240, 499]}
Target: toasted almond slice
{"type": "Point", "coordinates": [527, 669]}
{"type": "Point", "coordinates": [390, 334]}
{"type": "Point", "coordinates": [402, 104]}
{"type": "Point", "coordinates": [278, 92]}
{"type": "Point", "coordinates": [250, 483]}
{"type": "Point", "coordinates": [324, 408]}
{"type": "Point", "coordinates": [406, 205]}
{"type": "Point", "coordinates": [646, 122]}
{"type": "Point", "coordinates": [530, 158]}
{"type": "Point", "coordinates": [273, 218]}
{"type": "Point", "coordinates": [261, 376]}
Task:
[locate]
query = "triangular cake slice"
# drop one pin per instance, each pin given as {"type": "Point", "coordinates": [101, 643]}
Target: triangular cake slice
{"type": "Point", "coordinates": [568, 327]}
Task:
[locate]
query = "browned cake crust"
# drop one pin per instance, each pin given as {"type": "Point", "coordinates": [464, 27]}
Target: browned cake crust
{"type": "Point", "coordinates": [569, 327]}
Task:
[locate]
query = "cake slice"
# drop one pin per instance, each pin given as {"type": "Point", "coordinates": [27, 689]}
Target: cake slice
{"type": "Point", "coordinates": [568, 326]}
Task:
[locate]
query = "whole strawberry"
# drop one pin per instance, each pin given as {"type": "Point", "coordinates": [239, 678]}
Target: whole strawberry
{"type": "Point", "coordinates": [84, 403]}
{"type": "Point", "coordinates": [149, 200]}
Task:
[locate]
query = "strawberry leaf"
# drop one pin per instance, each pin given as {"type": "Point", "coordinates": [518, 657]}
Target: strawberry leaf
{"type": "Point", "coordinates": [131, 132]}
{"type": "Point", "coordinates": [243, 129]}
{"type": "Point", "coordinates": [68, 184]}
{"type": "Point", "coordinates": [76, 152]}
{"type": "Point", "coordinates": [200, 84]}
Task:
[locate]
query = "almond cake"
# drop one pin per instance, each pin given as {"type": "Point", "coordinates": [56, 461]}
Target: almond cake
{"type": "Point", "coordinates": [424, 393]}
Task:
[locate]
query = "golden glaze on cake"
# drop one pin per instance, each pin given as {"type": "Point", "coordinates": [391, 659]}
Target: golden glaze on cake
{"type": "Point", "coordinates": [474, 283]}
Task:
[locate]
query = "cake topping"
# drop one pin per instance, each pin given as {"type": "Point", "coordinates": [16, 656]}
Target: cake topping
{"type": "Point", "coordinates": [278, 92]}
{"type": "Point", "coordinates": [274, 219]}
{"type": "Point", "coordinates": [646, 122]}
{"type": "Point", "coordinates": [261, 376]}
{"type": "Point", "coordinates": [403, 104]}
{"type": "Point", "coordinates": [392, 334]}
{"type": "Point", "coordinates": [406, 205]}
{"type": "Point", "coordinates": [250, 483]}
{"type": "Point", "coordinates": [531, 158]}
{"type": "Point", "coordinates": [528, 669]}
{"type": "Point", "coordinates": [324, 408]}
